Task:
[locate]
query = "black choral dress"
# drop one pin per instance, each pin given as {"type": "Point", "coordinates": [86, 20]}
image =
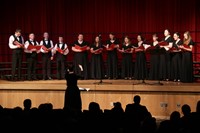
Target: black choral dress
{"type": "Point", "coordinates": [140, 68]}
{"type": "Point", "coordinates": [154, 63]}
{"type": "Point", "coordinates": [187, 75]}
{"type": "Point", "coordinates": [96, 63]}
{"type": "Point", "coordinates": [176, 61]}
{"type": "Point", "coordinates": [112, 61]}
{"type": "Point", "coordinates": [165, 61]}
{"type": "Point", "coordinates": [81, 58]}
{"type": "Point", "coordinates": [127, 63]}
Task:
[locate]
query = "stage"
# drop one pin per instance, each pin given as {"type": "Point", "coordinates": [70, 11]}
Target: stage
{"type": "Point", "coordinates": [160, 100]}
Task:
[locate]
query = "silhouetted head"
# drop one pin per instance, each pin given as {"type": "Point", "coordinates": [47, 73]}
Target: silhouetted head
{"type": "Point", "coordinates": [1, 108]}
{"type": "Point", "coordinates": [45, 107]}
{"type": "Point", "coordinates": [70, 68]}
{"type": "Point", "coordinates": [175, 116]}
{"type": "Point", "coordinates": [117, 105]}
{"type": "Point", "coordinates": [94, 107]}
{"type": "Point", "coordinates": [117, 108]}
{"type": "Point", "coordinates": [27, 103]}
{"type": "Point", "coordinates": [17, 112]}
{"type": "Point", "coordinates": [137, 99]}
{"type": "Point", "coordinates": [198, 107]}
{"type": "Point", "coordinates": [186, 109]}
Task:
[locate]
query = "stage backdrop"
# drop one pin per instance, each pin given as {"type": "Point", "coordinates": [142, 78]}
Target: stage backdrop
{"type": "Point", "coordinates": [94, 17]}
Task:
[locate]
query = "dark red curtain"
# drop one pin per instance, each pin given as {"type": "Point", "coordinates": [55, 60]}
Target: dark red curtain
{"type": "Point", "coordinates": [93, 17]}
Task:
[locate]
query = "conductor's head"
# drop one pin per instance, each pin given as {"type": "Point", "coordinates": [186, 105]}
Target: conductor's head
{"type": "Point", "coordinates": [70, 68]}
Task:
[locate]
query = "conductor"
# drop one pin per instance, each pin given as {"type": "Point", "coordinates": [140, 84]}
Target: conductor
{"type": "Point", "coordinates": [72, 101]}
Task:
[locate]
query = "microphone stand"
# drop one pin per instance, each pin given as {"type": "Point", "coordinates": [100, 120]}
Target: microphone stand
{"type": "Point", "coordinates": [143, 82]}
{"type": "Point", "coordinates": [101, 82]}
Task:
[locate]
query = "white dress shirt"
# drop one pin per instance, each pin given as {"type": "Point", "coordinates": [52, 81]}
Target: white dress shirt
{"type": "Point", "coordinates": [27, 44]}
{"type": "Point", "coordinates": [11, 40]}
{"type": "Point", "coordinates": [60, 46]}
{"type": "Point", "coordinates": [46, 41]}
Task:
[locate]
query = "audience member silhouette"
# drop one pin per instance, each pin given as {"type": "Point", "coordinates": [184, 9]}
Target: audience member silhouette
{"type": "Point", "coordinates": [195, 124]}
{"type": "Point", "coordinates": [149, 124]}
{"type": "Point", "coordinates": [173, 125]}
{"type": "Point", "coordinates": [186, 119]}
{"type": "Point", "coordinates": [198, 107]}
{"type": "Point", "coordinates": [27, 104]}
{"type": "Point", "coordinates": [116, 120]}
{"type": "Point", "coordinates": [135, 113]}
{"type": "Point", "coordinates": [72, 94]}
{"type": "Point", "coordinates": [117, 109]}
{"type": "Point", "coordinates": [139, 111]}
{"type": "Point", "coordinates": [94, 108]}
{"type": "Point", "coordinates": [94, 118]}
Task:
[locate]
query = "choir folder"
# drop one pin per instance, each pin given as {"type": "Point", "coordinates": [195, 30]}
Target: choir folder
{"type": "Point", "coordinates": [84, 48]}
{"type": "Point", "coordinates": [32, 47]}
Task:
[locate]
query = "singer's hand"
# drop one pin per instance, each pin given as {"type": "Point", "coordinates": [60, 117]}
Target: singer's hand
{"type": "Point", "coordinates": [33, 50]}
{"type": "Point", "coordinates": [88, 48]}
{"type": "Point", "coordinates": [181, 46]}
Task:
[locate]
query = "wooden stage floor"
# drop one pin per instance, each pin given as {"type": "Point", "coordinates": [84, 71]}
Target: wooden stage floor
{"type": "Point", "coordinates": [161, 100]}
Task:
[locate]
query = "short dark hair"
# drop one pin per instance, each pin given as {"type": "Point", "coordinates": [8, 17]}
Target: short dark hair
{"type": "Point", "coordinates": [70, 67]}
{"type": "Point", "coordinates": [155, 35]}
{"type": "Point", "coordinates": [111, 33]}
{"type": "Point", "coordinates": [136, 99]}
{"type": "Point", "coordinates": [18, 30]}
{"type": "Point", "coordinates": [177, 33]}
{"type": "Point", "coordinates": [27, 103]}
{"type": "Point", "coordinates": [168, 30]}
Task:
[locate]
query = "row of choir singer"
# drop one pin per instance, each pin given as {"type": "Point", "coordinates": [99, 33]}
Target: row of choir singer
{"type": "Point", "coordinates": [170, 59]}
{"type": "Point", "coordinates": [31, 47]}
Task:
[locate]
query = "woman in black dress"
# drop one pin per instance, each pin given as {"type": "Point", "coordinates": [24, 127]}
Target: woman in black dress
{"type": "Point", "coordinates": [96, 59]}
{"type": "Point", "coordinates": [176, 58]}
{"type": "Point", "coordinates": [140, 68]}
{"type": "Point", "coordinates": [165, 58]}
{"type": "Point", "coordinates": [80, 48]}
{"type": "Point", "coordinates": [127, 63]}
{"type": "Point", "coordinates": [154, 59]}
{"type": "Point", "coordinates": [187, 60]}
{"type": "Point", "coordinates": [112, 60]}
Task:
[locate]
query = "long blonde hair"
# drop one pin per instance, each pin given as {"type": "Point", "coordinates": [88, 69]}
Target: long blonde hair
{"type": "Point", "coordinates": [187, 41]}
